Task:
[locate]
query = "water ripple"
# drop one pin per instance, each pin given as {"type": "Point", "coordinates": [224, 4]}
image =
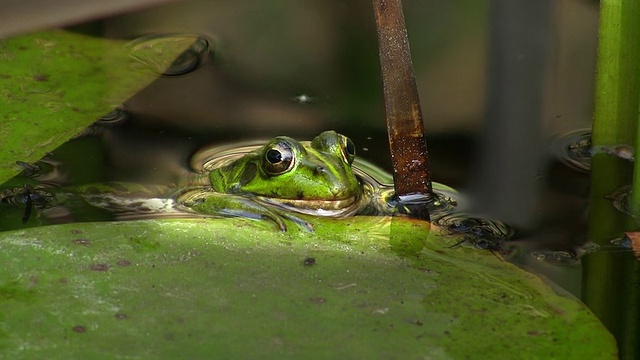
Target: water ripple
{"type": "Point", "coordinates": [150, 50]}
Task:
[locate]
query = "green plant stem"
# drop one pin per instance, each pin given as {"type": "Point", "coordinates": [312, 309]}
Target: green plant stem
{"type": "Point", "coordinates": [634, 197]}
{"type": "Point", "coordinates": [610, 279]}
{"type": "Point", "coordinates": [618, 73]}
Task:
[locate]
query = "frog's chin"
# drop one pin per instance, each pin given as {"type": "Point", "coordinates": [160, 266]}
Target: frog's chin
{"type": "Point", "coordinates": [315, 207]}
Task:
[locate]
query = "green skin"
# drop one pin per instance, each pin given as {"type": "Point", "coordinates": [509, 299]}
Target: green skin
{"type": "Point", "coordinates": [305, 177]}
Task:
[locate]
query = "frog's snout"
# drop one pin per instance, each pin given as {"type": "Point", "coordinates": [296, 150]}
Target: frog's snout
{"type": "Point", "coordinates": [341, 191]}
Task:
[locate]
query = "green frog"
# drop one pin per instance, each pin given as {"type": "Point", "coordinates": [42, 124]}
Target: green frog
{"type": "Point", "coordinates": [283, 178]}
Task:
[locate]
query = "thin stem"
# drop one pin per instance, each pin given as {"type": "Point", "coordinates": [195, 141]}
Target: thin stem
{"type": "Point", "coordinates": [402, 104]}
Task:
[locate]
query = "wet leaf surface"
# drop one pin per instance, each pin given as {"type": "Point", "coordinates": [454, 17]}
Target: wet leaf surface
{"type": "Point", "coordinates": [53, 84]}
{"type": "Point", "coordinates": [210, 288]}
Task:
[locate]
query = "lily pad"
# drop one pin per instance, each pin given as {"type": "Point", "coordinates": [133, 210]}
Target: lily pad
{"type": "Point", "coordinates": [55, 83]}
{"type": "Point", "coordinates": [364, 287]}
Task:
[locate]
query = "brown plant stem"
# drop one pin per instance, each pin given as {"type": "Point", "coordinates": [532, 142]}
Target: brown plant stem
{"type": "Point", "coordinates": [408, 145]}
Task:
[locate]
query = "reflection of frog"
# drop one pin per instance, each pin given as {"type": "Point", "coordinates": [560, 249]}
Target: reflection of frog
{"type": "Point", "coordinates": [283, 176]}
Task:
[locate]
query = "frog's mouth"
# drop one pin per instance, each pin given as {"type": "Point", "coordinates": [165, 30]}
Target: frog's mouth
{"type": "Point", "coordinates": [315, 207]}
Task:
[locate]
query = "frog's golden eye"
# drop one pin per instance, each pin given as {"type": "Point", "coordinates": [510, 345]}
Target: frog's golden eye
{"type": "Point", "coordinates": [278, 158]}
{"type": "Point", "coordinates": [348, 150]}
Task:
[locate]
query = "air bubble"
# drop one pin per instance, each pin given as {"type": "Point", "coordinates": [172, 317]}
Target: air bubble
{"type": "Point", "coordinates": [303, 99]}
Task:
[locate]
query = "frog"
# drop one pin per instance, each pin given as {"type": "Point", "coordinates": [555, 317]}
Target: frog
{"type": "Point", "coordinates": [282, 179]}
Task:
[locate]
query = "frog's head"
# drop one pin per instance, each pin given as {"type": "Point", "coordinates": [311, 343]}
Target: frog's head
{"type": "Point", "coordinates": [309, 173]}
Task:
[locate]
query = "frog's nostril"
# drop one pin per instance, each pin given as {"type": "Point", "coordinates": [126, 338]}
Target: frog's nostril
{"type": "Point", "coordinates": [318, 170]}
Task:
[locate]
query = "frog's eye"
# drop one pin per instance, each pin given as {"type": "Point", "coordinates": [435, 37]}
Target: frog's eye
{"type": "Point", "coordinates": [348, 150]}
{"type": "Point", "coordinates": [278, 159]}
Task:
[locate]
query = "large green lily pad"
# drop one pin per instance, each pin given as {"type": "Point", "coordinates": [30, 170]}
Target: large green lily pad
{"type": "Point", "coordinates": [365, 287]}
{"type": "Point", "coordinates": [55, 83]}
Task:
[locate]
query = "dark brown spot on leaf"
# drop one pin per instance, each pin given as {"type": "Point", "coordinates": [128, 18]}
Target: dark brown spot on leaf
{"type": "Point", "coordinates": [124, 263]}
{"type": "Point", "coordinates": [99, 267]}
{"type": "Point", "coordinates": [84, 242]}
{"type": "Point", "coordinates": [79, 329]}
{"type": "Point", "coordinates": [41, 77]}
{"type": "Point", "coordinates": [426, 270]}
{"type": "Point", "coordinates": [309, 261]}
{"type": "Point", "coordinates": [121, 316]}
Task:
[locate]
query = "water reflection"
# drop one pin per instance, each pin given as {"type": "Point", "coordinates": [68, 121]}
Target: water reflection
{"type": "Point", "coordinates": [481, 233]}
{"type": "Point", "coordinates": [621, 198]}
{"type": "Point", "coordinates": [27, 196]}
{"type": "Point", "coordinates": [575, 150]}
{"type": "Point", "coordinates": [117, 117]}
{"type": "Point", "coordinates": [562, 257]}
{"type": "Point", "coordinates": [146, 49]}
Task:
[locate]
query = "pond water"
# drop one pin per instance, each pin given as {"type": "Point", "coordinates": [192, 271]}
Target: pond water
{"type": "Point", "coordinates": [251, 78]}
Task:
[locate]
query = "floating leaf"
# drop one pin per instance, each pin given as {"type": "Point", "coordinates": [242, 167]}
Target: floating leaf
{"type": "Point", "coordinates": [365, 287]}
{"type": "Point", "coordinates": [53, 84]}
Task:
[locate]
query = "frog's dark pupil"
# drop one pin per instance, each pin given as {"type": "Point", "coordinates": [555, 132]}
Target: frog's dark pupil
{"type": "Point", "coordinates": [350, 148]}
{"type": "Point", "coordinates": [278, 158]}
{"type": "Point", "coordinates": [274, 156]}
